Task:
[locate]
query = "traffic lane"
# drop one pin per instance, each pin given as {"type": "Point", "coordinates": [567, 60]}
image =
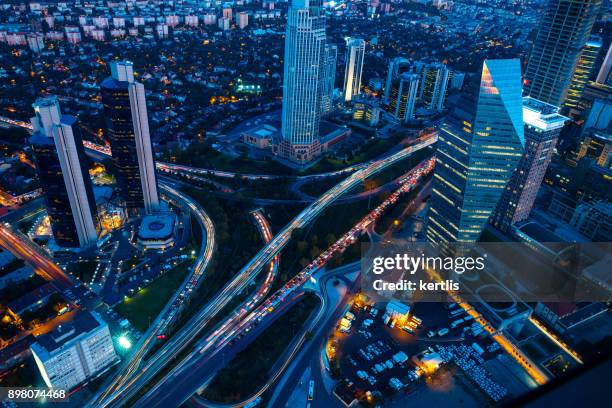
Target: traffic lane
{"type": "Point", "coordinates": [184, 384]}
{"type": "Point", "coordinates": [310, 356]}
{"type": "Point", "coordinates": [171, 309]}
{"type": "Point", "coordinates": [26, 251]}
{"type": "Point", "coordinates": [265, 255]}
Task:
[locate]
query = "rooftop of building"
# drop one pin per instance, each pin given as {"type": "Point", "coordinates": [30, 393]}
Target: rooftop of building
{"type": "Point", "coordinates": [16, 348]}
{"type": "Point", "coordinates": [112, 83]}
{"type": "Point", "coordinates": [156, 226]}
{"type": "Point", "coordinates": [542, 114]}
{"type": "Point", "coordinates": [82, 322]}
{"type": "Point", "coordinates": [30, 298]}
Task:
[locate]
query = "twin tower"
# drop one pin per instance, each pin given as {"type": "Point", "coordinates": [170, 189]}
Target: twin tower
{"type": "Point", "coordinates": [62, 166]}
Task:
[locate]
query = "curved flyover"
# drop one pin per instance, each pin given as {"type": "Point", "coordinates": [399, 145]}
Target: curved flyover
{"type": "Point", "coordinates": [171, 311]}
{"type": "Point", "coordinates": [251, 270]}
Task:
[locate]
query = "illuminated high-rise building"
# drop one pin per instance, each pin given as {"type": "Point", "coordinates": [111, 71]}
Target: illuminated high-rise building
{"type": "Point", "coordinates": [397, 67]}
{"type": "Point", "coordinates": [355, 53]}
{"type": "Point", "coordinates": [434, 86]}
{"type": "Point", "coordinates": [479, 146]}
{"type": "Point", "coordinates": [125, 108]}
{"type": "Point", "coordinates": [329, 79]}
{"type": "Point", "coordinates": [404, 95]}
{"type": "Point", "coordinates": [543, 125]}
{"type": "Point", "coordinates": [63, 174]}
{"type": "Point", "coordinates": [563, 30]}
{"type": "Point", "coordinates": [303, 83]}
{"type": "Point", "coordinates": [582, 73]}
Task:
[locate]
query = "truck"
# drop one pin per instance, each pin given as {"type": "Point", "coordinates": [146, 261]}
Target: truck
{"type": "Point", "coordinates": [456, 312]}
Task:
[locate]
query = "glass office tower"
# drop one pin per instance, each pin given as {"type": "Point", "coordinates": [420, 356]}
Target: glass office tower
{"type": "Point", "coordinates": [304, 81]}
{"type": "Point", "coordinates": [63, 175]}
{"type": "Point", "coordinates": [329, 79]}
{"type": "Point", "coordinates": [479, 147]}
{"type": "Point", "coordinates": [563, 30]}
{"type": "Point", "coordinates": [128, 130]}
{"type": "Point", "coordinates": [584, 69]}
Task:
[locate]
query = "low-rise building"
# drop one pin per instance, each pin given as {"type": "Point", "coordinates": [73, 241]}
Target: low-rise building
{"type": "Point", "coordinates": [157, 231]}
{"type": "Point", "coordinates": [74, 352]}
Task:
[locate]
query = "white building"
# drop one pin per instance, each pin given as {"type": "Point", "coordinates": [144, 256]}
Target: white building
{"type": "Point", "coordinates": [157, 231]}
{"type": "Point", "coordinates": [100, 22]}
{"type": "Point", "coordinates": [118, 22]}
{"type": "Point", "coordinates": [162, 30]}
{"type": "Point", "coordinates": [98, 35]}
{"type": "Point", "coordinates": [355, 52]}
{"type": "Point", "coordinates": [191, 21]}
{"type": "Point", "coordinates": [242, 18]}
{"type": "Point", "coordinates": [210, 19]}
{"type": "Point", "coordinates": [73, 37]}
{"type": "Point", "coordinates": [172, 21]}
{"type": "Point", "coordinates": [227, 13]}
{"type": "Point", "coordinates": [74, 352]}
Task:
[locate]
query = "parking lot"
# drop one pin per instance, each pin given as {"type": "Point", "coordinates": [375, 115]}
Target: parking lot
{"type": "Point", "coordinates": [378, 358]}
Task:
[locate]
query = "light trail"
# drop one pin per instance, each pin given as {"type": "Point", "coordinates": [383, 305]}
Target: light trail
{"type": "Point", "coordinates": [233, 329]}
{"type": "Point", "coordinates": [22, 247]}
{"type": "Point", "coordinates": [553, 337]}
{"type": "Point", "coordinates": [171, 311]}
{"type": "Point", "coordinates": [251, 270]}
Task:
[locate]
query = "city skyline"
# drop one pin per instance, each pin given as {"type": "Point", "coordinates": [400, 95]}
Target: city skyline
{"type": "Point", "coordinates": [305, 203]}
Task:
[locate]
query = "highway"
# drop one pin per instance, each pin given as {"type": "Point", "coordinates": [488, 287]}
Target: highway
{"type": "Point", "coordinates": [172, 309]}
{"type": "Point", "coordinates": [248, 274]}
{"type": "Point", "coordinates": [174, 388]}
{"type": "Point", "coordinates": [266, 232]}
{"type": "Point", "coordinates": [241, 311]}
{"type": "Point", "coordinates": [22, 247]}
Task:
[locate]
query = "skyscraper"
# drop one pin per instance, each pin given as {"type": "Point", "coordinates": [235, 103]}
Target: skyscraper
{"type": "Point", "coordinates": [303, 81]}
{"type": "Point", "coordinates": [125, 108]}
{"type": "Point", "coordinates": [329, 78]}
{"type": "Point", "coordinates": [542, 127]}
{"type": "Point", "coordinates": [63, 175]}
{"type": "Point", "coordinates": [404, 94]}
{"type": "Point", "coordinates": [434, 86]}
{"type": "Point", "coordinates": [397, 66]}
{"type": "Point", "coordinates": [563, 30]}
{"type": "Point", "coordinates": [479, 146]}
{"type": "Point", "coordinates": [582, 73]}
{"type": "Point", "coordinates": [355, 53]}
